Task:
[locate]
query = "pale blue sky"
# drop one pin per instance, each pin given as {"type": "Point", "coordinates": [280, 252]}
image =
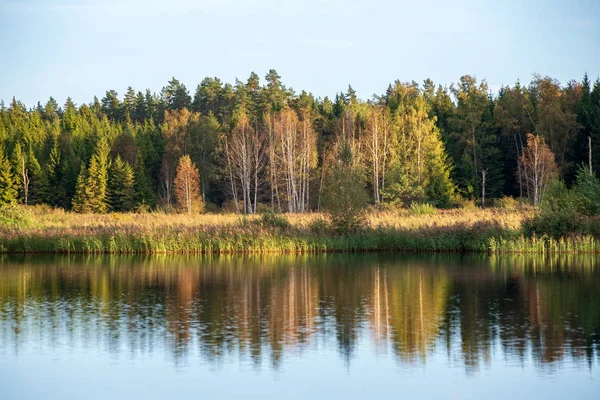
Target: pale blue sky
{"type": "Point", "coordinates": [84, 48]}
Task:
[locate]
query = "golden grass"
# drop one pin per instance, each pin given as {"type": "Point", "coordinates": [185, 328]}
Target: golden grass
{"type": "Point", "coordinates": [46, 220]}
{"type": "Point", "coordinates": [42, 229]}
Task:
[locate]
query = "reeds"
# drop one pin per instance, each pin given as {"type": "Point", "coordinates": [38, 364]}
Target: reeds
{"type": "Point", "coordinates": [44, 230]}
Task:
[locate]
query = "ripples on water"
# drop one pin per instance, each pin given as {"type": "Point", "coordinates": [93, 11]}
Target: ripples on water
{"type": "Point", "coordinates": [363, 316]}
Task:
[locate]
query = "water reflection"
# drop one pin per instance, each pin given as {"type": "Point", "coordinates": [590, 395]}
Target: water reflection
{"type": "Point", "coordinates": [543, 311]}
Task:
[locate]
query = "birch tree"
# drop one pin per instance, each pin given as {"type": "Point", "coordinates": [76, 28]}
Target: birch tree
{"type": "Point", "coordinates": [187, 186]}
{"type": "Point", "coordinates": [538, 167]}
{"type": "Point", "coordinates": [379, 145]}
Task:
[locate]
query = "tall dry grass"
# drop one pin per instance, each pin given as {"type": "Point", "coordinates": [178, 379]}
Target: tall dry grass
{"type": "Point", "coordinates": [42, 229]}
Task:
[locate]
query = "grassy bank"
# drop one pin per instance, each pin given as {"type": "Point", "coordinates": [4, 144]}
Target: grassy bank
{"type": "Point", "coordinates": [44, 230]}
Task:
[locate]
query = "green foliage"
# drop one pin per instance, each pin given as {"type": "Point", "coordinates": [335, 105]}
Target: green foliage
{"type": "Point", "coordinates": [587, 193]}
{"type": "Point", "coordinates": [416, 143]}
{"type": "Point", "coordinates": [272, 220]}
{"type": "Point", "coordinates": [91, 188]}
{"type": "Point", "coordinates": [439, 189]}
{"type": "Point", "coordinates": [319, 226]}
{"type": "Point", "coordinates": [558, 213]}
{"type": "Point", "coordinates": [8, 187]}
{"type": "Point", "coordinates": [18, 162]}
{"type": "Point", "coordinates": [507, 203]}
{"type": "Point", "coordinates": [344, 197]}
{"type": "Point", "coordinates": [401, 192]}
{"type": "Point", "coordinates": [80, 203]}
{"type": "Point", "coordinates": [14, 216]}
{"type": "Point", "coordinates": [121, 186]}
{"type": "Point", "coordinates": [143, 191]}
{"type": "Point", "coordinates": [422, 209]}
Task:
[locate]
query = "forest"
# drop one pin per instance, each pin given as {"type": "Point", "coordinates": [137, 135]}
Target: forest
{"type": "Point", "coordinates": [255, 146]}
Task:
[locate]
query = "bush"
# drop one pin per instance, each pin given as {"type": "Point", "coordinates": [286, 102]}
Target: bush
{"type": "Point", "coordinates": [507, 203]}
{"type": "Point", "coordinates": [422, 209]}
{"type": "Point", "coordinates": [15, 216]}
{"type": "Point", "coordinates": [558, 215]}
{"type": "Point", "coordinates": [587, 193]}
{"type": "Point", "coordinates": [462, 202]}
{"type": "Point", "coordinates": [230, 207]}
{"type": "Point", "coordinates": [345, 198]}
{"type": "Point", "coordinates": [212, 208]}
{"type": "Point", "coordinates": [273, 220]}
{"type": "Point", "coordinates": [319, 226]}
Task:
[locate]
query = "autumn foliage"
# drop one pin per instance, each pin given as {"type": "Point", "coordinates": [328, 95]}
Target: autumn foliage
{"type": "Point", "coordinates": [187, 187]}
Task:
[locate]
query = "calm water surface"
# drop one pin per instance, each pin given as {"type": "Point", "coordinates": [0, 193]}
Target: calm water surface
{"type": "Point", "coordinates": [297, 327]}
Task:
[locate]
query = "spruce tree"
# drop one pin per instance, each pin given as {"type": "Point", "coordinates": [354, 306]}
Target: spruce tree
{"type": "Point", "coordinates": [36, 190]}
{"type": "Point", "coordinates": [97, 178]}
{"type": "Point", "coordinates": [121, 186]}
{"type": "Point", "coordinates": [439, 189]}
{"type": "Point", "coordinates": [8, 190]}
{"type": "Point", "coordinates": [21, 173]}
{"type": "Point", "coordinates": [80, 200]}
{"type": "Point", "coordinates": [143, 192]}
{"type": "Point", "coordinates": [50, 187]}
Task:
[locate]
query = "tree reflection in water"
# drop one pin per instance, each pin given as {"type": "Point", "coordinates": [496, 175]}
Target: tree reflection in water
{"type": "Point", "coordinates": [543, 309]}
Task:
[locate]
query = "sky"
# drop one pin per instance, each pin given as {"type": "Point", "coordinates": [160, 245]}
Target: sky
{"type": "Point", "coordinates": [83, 48]}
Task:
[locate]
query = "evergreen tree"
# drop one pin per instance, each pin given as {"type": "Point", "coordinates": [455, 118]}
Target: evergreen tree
{"type": "Point", "coordinates": [121, 186]}
{"type": "Point", "coordinates": [51, 185]}
{"type": "Point", "coordinates": [143, 191]}
{"type": "Point", "coordinates": [129, 103]}
{"type": "Point", "coordinates": [69, 117]}
{"type": "Point", "coordinates": [51, 109]}
{"type": "Point", "coordinates": [37, 189]}
{"type": "Point", "coordinates": [595, 126]}
{"type": "Point", "coordinates": [91, 187]}
{"type": "Point", "coordinates": [21, 173]}
{"type": "Point", "coordinates": [82, 194]}
{"type": "Point", "coordinates": [176, 95]}
{"type": "Point", "coordinates": [8, 190]}
{"type": "Point", "coordinates": [112, 106]}
{"type": "Point", "coordinates": [97, 178]}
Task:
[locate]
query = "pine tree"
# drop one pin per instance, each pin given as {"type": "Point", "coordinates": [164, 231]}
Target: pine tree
{"type": "Point", "coordinates": [8, 191]}
{"type": "Point", "coordinates": [176, 95]}
{"type": "Point", "coordinates": [121, 186]}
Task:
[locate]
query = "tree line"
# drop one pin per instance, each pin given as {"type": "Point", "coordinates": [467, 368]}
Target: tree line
{"type": "Point", "coordinates": [252, 146]}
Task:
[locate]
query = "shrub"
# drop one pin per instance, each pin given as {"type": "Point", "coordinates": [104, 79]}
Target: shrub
{"type": "Point", "coordinates": [422, 209]}
{"type": "Point", "coordinates": [319, 226]}
{"type": "Point", "coordinates": [14, 215]}
{"type": "Point", "coordinates": [587, 193]}
{"type": "Point", "coordinates": [230, 207]}
{"type": "Point", "coordinates": [558, 215]}
{"type": "Point", "coordinates": [273, 220]}
{"type": "Point", "coordinates": [345, 198]}
{"type": "Point", "coordinates": [212, 208]}
{"type": "Point", "coordinates": [462, 202]}
{"type": "Point", "coordinates": [507, 203]}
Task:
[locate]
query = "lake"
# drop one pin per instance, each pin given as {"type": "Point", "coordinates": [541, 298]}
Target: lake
{"type": "Point", "coordinates": [294, 327]}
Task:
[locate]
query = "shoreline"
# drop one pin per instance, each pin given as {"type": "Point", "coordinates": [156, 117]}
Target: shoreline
{"type": "Point", "coordinates": [42, 230]}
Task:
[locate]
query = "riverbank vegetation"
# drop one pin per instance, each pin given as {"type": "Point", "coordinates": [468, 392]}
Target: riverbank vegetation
{"type": "Point", "coordinates": [420, 167]}
{"type": "Point", "coordinates": [40, 229]}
